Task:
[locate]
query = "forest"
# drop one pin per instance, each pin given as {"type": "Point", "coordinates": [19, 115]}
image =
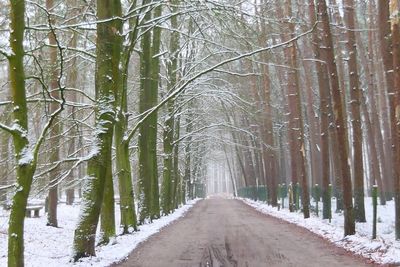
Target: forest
{"type": "Point", "coordinates": [129, 109]}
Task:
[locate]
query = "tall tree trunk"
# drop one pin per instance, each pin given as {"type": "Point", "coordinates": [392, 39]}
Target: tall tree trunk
{"type": "Point", "coordinates": [296, 125]}
{"type": "Point", "coordinates": [149, 69]}
{"type": "Point", "coordinates": [72, 82]}
{"type": "Point", "coordinates": [269, 154]}
{"type": "Point", "coordinates": [187, 179]}
{"type": "Point", "coordinates": [340, 122]}
{"type": "Point", "coordinates": [107, 65]}
{"type": "Point", "coordinates": [155, 72]}
{"type": "Point", "coordinates": [56, 129]}
{"type": "Point", "coordinates": [394, 10]}
{"type": "Point", "coordinates": [385, 40]}
{"type": "Point", "coordinates": [169, 179]}
{"type": "Point", "coordinates": [325, 104]}
{"type": "Point", "coordinates": [122, 156]}
{"type": "Point", "coordinates": [107, 221]}
{"type": "Point", "coordinates": [176, 194]}
{"type": "Point", "coordinates": [355, 102]}
{"type": "Point", "coordinates": [25, 167]}
{"type": "Point", "coordinates": [373, 128]}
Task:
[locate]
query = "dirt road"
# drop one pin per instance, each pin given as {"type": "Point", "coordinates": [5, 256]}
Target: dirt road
{"type": "Point", "coordinates": [222, 232]}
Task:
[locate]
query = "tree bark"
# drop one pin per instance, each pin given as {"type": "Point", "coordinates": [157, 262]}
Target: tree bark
{"type": "Point", "coordinates": [385, 40]}
{"type": "Point", "coordinates": [325, 107]}
{"type": "Point", "coordinates": [296, 120]}
{"type": "Point", "coordinates": [25, 167]}
{"type": "Point", "coordinates": [107, 69]}
{"type": "Point", "coordinates": [169, 179]}
{"type": "Point", "coordinates": [394, 10]}
{"type": "Point", "coordinates": [56, 129]}
{"type": "Point", "coordinates": [355, 102]}
{"type": "Point", "coordinates": [340, 122]}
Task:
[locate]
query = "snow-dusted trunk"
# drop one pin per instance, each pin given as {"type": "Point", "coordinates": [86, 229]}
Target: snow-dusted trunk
{"type": "Point", "coordinates": [106, 74]}
{"type": "Point", "coordinates": [325, 103]}
{"type": "Point", "coordinates": [340, 122]}
{"type": "Point", "coordinates": [25, 166]}
{"type": "Point", "coordinates": [385, 45]}
{"type": "Point", "coordinates": [269, 155]}
{"type": "Point", "coordinates": [373, 129]}
{"type": "Point", "coordinates": [296, 119]}
{"type": "Point", "coordinates": [355, 95]}
{"type": "Point", "coordinates": [123, 165]}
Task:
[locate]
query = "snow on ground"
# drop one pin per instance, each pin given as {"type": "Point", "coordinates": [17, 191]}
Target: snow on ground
{"type": "Point", "coordinates": [384, 250]}
{"type": "Point", "coordinates": [52, 247]}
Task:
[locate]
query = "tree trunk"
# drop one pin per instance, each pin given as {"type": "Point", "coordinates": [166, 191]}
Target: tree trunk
{"type": "Point", "coordinates": [155, 72]}
{"type": "Point", "coordinates": [340, 122]}
{"type": "Point", "coordinates": [107, 65]}
{"type": "Point", "coordinates": [107, 225]}
{"type": "Point", "coordinates": [56, 129]}
{"type": "Point", "coordinates": [355, 101]}
{"type": "Point", "coordinates": [296, 120]}
{"type": "Point", "coordinates": [148, 178]}
{"type": "Point", "coordinates": [325, 104]}
{"type": "Point", "coordinates": [169, 179]}
{"type": "Point", "coordinates": [72, 82]}
{"type": "Point", "coordinates": [269, 154]}
{"type": "Point", "coordinates": [385, 40]}
{"type": "Point", "coordinates": [25, 167]}
{"type": "Point", "coordinates": [123, 165]}
{"type": "Point", "coordinates": [394, 10]}
{"type": "Point", "coordinates": [373, 129]}
{"type": "Point", "coordinates": [176, 194]}
{"type": "Point", "coordinates": [166, 193]}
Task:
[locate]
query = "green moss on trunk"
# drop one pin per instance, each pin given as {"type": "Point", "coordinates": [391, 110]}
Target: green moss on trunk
{"type": "Point", "coordinates": [98, 165]}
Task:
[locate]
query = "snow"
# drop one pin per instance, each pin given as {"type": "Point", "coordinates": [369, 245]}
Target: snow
{"type": "Point", "coordinates": [26, 157]}
{"type": "Point", "coordinates": [384, 250]}
{"type": "Point", "coordinates": [52, 247]}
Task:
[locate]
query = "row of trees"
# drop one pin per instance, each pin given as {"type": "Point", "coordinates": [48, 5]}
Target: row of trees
{"type": "Point", "coordinates": [324, 107]}
{"type": "Point", "coordinates": [133, 95]}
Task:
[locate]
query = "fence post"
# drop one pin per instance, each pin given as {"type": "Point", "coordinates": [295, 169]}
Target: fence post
{"type": "Point", "coordinates": [375, 209]}
{"type": "Point", "coordinates": [317, 196]}
{"type": "Point", "coordinates": [297, 196]}
{"type": "Point", "coordinates": [330, 199]}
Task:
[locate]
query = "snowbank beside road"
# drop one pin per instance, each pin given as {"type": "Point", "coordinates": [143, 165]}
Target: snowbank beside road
{"type": "Point", "coordinates": [52, 247]}
{"type": "Point", "coordinates": [384, 250]}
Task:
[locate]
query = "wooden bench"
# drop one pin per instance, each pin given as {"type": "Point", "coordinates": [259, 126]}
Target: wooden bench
{"type": "Point", "coordinates": [35, 210]}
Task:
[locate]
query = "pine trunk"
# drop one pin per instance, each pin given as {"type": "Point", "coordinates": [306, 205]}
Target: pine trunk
{"type": "Point", "coordinates": [385, 39]}
{"type": "Point", "coordinates": [394, 10]}
{"type": "Point", "coordinates": [355, 101]}
{"type": "Point", "coordinates": [325, 104]}
{"type": "Point", "coordinates": [340, 122]}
